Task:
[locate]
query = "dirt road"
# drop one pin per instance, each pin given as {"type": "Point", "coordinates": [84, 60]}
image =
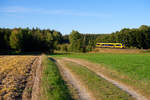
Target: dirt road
{"type": "Point", "coordinates": [72, 79]}
{"type": "Point", "coordinates": [93, 67]}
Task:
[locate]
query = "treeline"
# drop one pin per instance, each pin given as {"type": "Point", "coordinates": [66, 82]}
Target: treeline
{"type": "Point", "coordinates": [78, 42]}
{"type": "Point", "coordinates": [29, 40]}
{"type": "Point", "coordinates": [37, 40]}
{"type": "Point", "coordinates": [132, 38]}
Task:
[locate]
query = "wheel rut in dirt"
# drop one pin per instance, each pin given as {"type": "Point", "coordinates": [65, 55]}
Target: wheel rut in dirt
{"type": "Point", "coordinates": [32, 89]}
{"type": "Point", "coordinates": [37, 81]}
{"type": "Point", "coordinates": [72, 79]}
{"type": "Point", "coordinates": [118, 84]}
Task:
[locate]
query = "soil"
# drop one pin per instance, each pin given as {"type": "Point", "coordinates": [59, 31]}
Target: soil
{"type": "Point", "coordinates": [37, 81]}
{"type": "Point", "coordinates": [18, 83]}
{"type": "Point", "coordinates": [33, 82]}
{"type": "Point", "coordinates": [96, 68]}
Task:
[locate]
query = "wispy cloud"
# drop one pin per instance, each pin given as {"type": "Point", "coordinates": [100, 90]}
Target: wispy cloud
{"type": "Point", "coordinates": [17, 9]}
{"type": "Point", "coordinates": [14, 9]}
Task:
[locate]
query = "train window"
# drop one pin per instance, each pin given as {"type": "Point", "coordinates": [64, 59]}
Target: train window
{"type": "Point", "coordinates": [111, 45]}
{"type": "Point", "coordinates": [118, 45]}
{"type": "Point", "coordinates": [108, 45]}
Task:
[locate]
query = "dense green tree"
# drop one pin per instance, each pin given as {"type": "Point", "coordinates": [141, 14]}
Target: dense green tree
{"type": "Point", "coordinates": [4, 39]}
{"type": "Point", "coordinates": [145, 32]}
{"type": "Point", "coordinates": [75, 41]}
{"type": "Point", "coordinates": [138, 38]}
{"type": "Point", "coordinates": [57, 38]}
{"type": "Point", "coordinates": [15, 39]}
{"type": "Point", "coordinates": [29, 40]}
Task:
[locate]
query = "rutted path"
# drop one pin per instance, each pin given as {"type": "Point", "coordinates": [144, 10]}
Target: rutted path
{"type": "Point", "coordinates": [37, 80]}
{"type": "Point", "coordinates": [72, 79]}
{"type": "Point", "coordinates": [122, 86]}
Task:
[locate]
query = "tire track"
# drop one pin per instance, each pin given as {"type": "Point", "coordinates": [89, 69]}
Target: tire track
{"type": "Point", "coordinates": [122, 86]}
{"type": "Point", "coordinates": [82, 91]}
{"type": "Point", "coordinates": [37, 80]}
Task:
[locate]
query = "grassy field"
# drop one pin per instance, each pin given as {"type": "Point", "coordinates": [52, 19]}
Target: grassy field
{"type": "Point", "coordinates": [135, 67]}
{"type": "Point", "coordinates": [53, 86]}
{"type": "Point", "coordinates": [131, 69]}
{"type": "Point", "coordinates": [99, 87]}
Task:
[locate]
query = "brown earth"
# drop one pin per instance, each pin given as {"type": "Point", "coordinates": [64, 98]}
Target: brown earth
{"type": "Point", "coordinates": [32, 89]}
{"type": "Point", "coordinates": [17, 74]}
{"type": "Point", "coordinates": [37, 80]}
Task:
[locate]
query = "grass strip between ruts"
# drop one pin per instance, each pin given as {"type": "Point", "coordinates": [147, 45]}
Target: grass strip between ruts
{"type": "Point", "coordinates": [53, 86]}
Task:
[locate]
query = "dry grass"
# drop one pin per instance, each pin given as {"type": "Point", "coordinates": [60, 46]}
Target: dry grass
{"type": "Point", "coordinates": [113, 50]}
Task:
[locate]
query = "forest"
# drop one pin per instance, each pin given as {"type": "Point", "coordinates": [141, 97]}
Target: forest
{"type": "Point", "coordinates": [46, 40]}
{"type": "Point", "coordinates": [29, 40]}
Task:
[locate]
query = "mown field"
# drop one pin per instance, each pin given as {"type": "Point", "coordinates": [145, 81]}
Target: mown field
{"type": "Point", "coordinates": [131, 69]}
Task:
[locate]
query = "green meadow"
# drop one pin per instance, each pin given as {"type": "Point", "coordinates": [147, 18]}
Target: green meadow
{"type": "Point", "coordinates": [100, 88]}
{"type": "Point", "coordinates": [134, 67]}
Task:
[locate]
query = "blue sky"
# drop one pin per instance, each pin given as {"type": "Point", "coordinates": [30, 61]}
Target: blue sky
{"type": "Point", "coordinates": [86, 16]}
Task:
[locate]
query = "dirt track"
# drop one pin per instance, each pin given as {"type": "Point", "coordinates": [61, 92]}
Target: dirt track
{"type": "Point", "coordinates": [72, 79]}
{"type": "Point", "coordinates": [37, 80]}
{"type": "Point", "coordinates": [122, 86]}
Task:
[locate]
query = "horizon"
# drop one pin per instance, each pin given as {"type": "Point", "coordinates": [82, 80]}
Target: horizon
{"type": "Point", "coordinates": [67, 33]}
{"type": "Point", "coordinates": [98, 17]}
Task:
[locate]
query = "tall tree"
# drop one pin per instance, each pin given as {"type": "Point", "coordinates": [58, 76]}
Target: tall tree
{"type": "Point", "coordinates": [4, 39]}
{"type": "Point", "coordinates": [15, 39]}
{"type": "Point", "coordinates": [75, 41]}
{"type": "Point", "coordinates": [57, 38]}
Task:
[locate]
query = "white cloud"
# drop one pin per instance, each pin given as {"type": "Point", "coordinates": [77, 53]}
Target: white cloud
{"type": "Point", "coordinates": [17, 9]}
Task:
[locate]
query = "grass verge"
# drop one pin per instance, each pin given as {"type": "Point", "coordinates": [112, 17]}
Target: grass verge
{"type": "Point", "coordinates": [53, 86]}
{"type": "Point", "coordinates": [99, 87]}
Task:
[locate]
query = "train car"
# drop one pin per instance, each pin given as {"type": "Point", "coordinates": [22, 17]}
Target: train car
{"type": "Point", "coordinates": [110, 45]}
